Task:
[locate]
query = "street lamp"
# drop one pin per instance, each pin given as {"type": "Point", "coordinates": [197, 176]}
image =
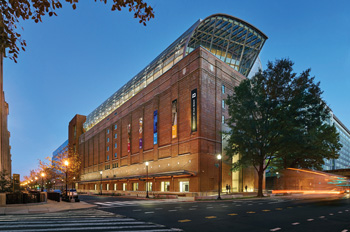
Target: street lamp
{"type": "Point", "coordinates": [219, 183]}
{"type": "Point", "coordinates": [66, 164]}
{"type": "Point", "coordinates": [101, 182]}
{"type": "Point", "coordinates": [42, 181]}
{"type": "Point", "coordinates": [147, 179]}
{"type": "Point", "coordinates": [73, 183]}
{"type": "Point", "coordinates": [36, 181]}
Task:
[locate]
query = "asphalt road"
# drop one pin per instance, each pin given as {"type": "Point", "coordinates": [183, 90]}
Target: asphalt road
{"type": "Point", "coordinates": [328, 214]}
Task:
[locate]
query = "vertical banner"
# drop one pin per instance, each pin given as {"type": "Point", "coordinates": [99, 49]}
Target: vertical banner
{"type": "Point", "coordinates": [194, 110]}
{"type": "Point", "coordinates": [140, 132]}
{"type": "Point", "coordinates": [174, 119]}
{"type": "Point", "coordinates": [129, 137]}
{"type": "Point", "coordinates": [155, 127]}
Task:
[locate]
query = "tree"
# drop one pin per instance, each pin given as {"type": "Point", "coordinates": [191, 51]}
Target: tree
{"type": "Point", "coordinates": [14, 10]}
{"type": "Point", "coordinates": [280, 117]}
{"type": "Point", "coordinates": [5, 182]}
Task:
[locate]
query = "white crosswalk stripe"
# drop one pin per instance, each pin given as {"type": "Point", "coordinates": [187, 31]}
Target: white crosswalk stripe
{"type": "Point", "coordinates": [132, 203]}
{"type": "Point", "coordinates": [78, 220]}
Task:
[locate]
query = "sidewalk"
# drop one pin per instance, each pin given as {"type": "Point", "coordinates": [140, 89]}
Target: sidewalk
{"type": "Point", "coordinates": [49, 207]}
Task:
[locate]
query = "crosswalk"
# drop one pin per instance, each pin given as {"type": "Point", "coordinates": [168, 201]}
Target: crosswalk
{"type": "Point", "coordinates": [112, 204]}
{"type": "Point", "coordinates": [78, 220]}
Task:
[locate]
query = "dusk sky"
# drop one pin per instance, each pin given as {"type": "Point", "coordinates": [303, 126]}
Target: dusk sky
{"type": "Point", "coordinates": [75, 61]}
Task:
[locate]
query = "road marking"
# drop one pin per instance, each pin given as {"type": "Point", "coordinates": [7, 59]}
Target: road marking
{"type": "Point", "coordinates": [158, 208]}
{"type": "Point", "coordinates": [193, 209]}
{"type": "Point", "coordinates": [150, 212]}
{"type": "Point", "coordinates": [266, 210]}
{"type": "Point", "coordinates": [346, 210]}
{"type": "Point", "coordinates": [295, 223]}
{"type": "Point", "coordinates": [322, 217]}
{"type": "Point", "coordinates": [331, 214]}
{"type": "Point", "coordinates": [224, 206]}
{"type": "Point", "coordinates": [135, 210]}
{"type": "Point", "coordinates": [210, 207]}
{"type": "Point", "coordinates": [344, 231]}
{"type": "Point", "coordinates": [275, 229]}
{"type": "Point", "coordinates": [172, 210]}
{"type": "Point", "coordinates": [178, 207]}
{"type": "Point", "coordinates": [238, 205]}
{"type": "Point", "coordinates": [279, 209]}
{"type": "Point", "coordinates": [340, 212]}
{"type": "Point", "coordinates": [232, 214]}
{"type": "Point", "coordinates": [250, 212]}
{"type": "Point", "coordinates": [310, 220]}
{"type": "Point", "coordinates": [194, 206]}
{"type": "Point", "coordinates": [185, 220]}
{"type": "Point", "coordinates": [261, 203]}
{"type": "Point", "coordinates": [289, 207]}
{"type": "Point", "coordinates": [210, 217]}
{"type": "Point", "coordinates": [250, 204]}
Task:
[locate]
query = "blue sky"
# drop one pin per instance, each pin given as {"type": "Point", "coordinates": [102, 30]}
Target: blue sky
{"type": "Point", "coordinates": [75, 61]}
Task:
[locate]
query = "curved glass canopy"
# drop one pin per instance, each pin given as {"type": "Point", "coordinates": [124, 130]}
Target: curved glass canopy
{"type": "Point", "coordinates": [232, 40]}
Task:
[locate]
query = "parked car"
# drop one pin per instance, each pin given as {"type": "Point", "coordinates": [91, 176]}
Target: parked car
{"type": "Point", "coordinates": [71, 193]}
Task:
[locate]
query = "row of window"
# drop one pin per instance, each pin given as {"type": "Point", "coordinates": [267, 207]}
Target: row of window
{"type": "Point", "coordinates": [164, 187]}
{"type": "Point", "coordinates": [115, 127]}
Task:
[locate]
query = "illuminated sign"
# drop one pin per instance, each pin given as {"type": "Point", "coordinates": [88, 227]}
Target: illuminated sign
{"type": "Point", "coordinates": [155, 127]}
{"type": "Point", "coordinates": [194, 110]}
{"type": "Point", "coordinates": [140, 133]}
{"type": "Point", "coordinates": [174, 119]}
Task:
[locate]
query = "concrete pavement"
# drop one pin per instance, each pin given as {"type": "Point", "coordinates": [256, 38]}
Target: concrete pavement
{"type": "Point", "coordinates": [45, 207]}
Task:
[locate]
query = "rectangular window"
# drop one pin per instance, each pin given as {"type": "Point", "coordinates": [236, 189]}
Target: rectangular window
{"type": "Point", "coordinates": [107, 140]}
{"type": "Point", "coordinates": [107, 157]}
{"type": "Point", "coordinates": [107, 131]}
{"type": "Point", "coordinates": [115, 186]}
{"type": "Point", "coordinates": [135, 186]}
{"type": "Point", "coordinates": [115, 126]}
{"type": "Point", "coordinates": [107, 186]}
{"type": "Point", "coordinates": [115, 135]}
{"type": "Point", "coordinates": [95, 186]}
{"type": "Point", "coordinates": [115, 155]}
{"type": "Point", "coordinates": [115, 145]}
{"type": "Point", "coordinates": [107, 148]}
{"type": "Point", "coordinates": [124, 186]}
{"type": "Point", "coordinates": [184, 186]}
{"type": "Point", "coordinates": [223, 119]}
{"type": "Point", "coordinates": [149, 184]}
{"type": "Point", "coordinates": [223, 104]}
{"type": "Point", "coordinates": [165, 186]}
{"type": "Point", "coordinates": [223, 89]}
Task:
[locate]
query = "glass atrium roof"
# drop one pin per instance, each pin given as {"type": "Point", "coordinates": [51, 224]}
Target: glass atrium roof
{"type": "Point", "coordinates": [232, 40]}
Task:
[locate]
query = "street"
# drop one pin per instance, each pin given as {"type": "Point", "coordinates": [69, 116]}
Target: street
{"type": "Point", "coordinates": [267, 214]}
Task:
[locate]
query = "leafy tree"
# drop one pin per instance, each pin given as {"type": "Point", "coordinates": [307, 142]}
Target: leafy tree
{"type": "Point", "coordinates": [14, 10]}
{"type": "Point", "coordinates": [279, 116]}
{"type": "Point", "coordinates": [5, 182]}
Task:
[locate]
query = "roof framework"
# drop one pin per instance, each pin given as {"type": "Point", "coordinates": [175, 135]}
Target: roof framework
{"type": "Point", "coordinates": [232, 40]}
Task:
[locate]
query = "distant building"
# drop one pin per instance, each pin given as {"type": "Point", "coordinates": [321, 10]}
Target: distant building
{"type": "Point", "coordinates": [343, 162]}
{"type": "Point", "coordinates": [5, 148]}
{"type": "Point", "coordinates": [171, 115]}
{"type": "Point", "coordinates": [61, 151]}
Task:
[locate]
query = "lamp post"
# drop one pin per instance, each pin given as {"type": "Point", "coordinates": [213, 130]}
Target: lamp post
{"type": "Point", "coordinates": [36, 181]}
{"type": "Point", "coordinates": [101, 182]}
{"type": "Point", "coordinates": [219, 183]}
{"type": "Point", "coordinates": [42, 181]}
{"type": "Point", "coordinates": [66, 164]}
{"type": "Point", "coordinates": [73, 183]}
{"type": "Point", "coordinates": [147, 179]}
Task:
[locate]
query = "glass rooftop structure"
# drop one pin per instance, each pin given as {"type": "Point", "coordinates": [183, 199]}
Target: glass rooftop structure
{"type": "Point", "coordinates": [231, 39]}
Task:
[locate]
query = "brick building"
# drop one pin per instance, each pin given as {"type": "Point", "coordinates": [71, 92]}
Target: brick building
{"type": "Point", "coordinates": [171, 115]}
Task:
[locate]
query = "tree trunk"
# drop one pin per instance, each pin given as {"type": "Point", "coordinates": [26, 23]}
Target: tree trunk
{"type": "Point", "coordinates": [260, 183]}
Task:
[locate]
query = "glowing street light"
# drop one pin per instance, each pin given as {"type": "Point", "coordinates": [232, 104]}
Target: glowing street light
{"type": "Point", "coordinates": [147, 179]}
{"type": "Point", "coordinates": [66, 164]}
{"type": "Point", "coordinates": [219, 157]}
{"type": "Point", "coordinates": [42, 181]}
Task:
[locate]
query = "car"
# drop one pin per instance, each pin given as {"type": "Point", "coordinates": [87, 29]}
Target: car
{"type": "Point", "coordinates": [71, 193]}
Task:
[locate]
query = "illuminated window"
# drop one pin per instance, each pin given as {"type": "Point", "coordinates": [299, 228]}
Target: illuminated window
{"type": "Point", "coordinates": [223, 119]}
{"type": "Point", "coordinates": [107, 186]}
{"type": "Point", "coordinates": [165, 186]}
{"type": "Point", "coordinates": [135, 186]}
{"type": "Point", "coordinates": [223, 104]}
{"type": "Point", "coordinates": [115, 186]}
{"type": "Point", "coordinates": [223, 89]}
{"type": "Point", "coordinates": [95, 186]}
{"type": "Point", "coordinates": [184, 186]}
{"type": "Point", "coordinates": [149, 186]}
{"type": "Point", "coordinates": [124, 186]}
